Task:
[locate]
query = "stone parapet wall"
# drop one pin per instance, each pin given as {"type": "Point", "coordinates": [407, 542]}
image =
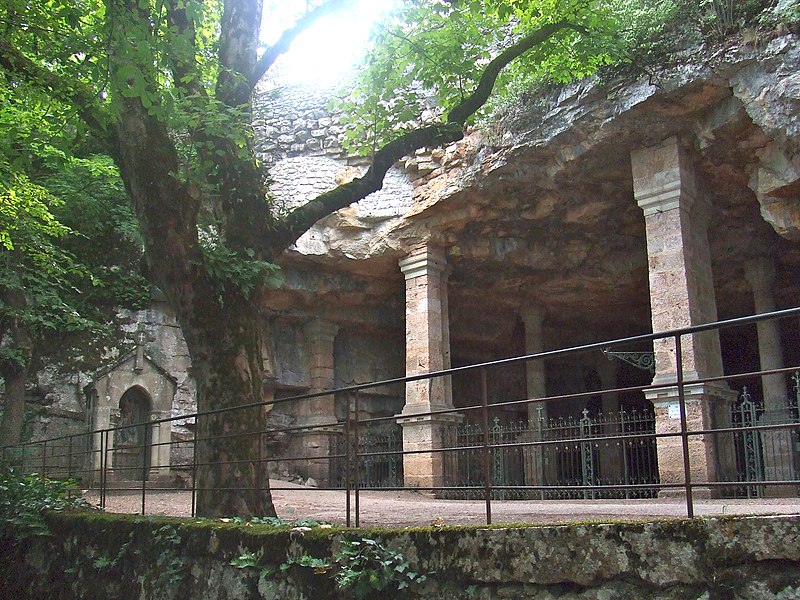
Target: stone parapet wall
{"type": "Point", "coordinates": [299, 138]}
{"type": "Point", "coordinates": [89, 556]}
{"type": "Point", "coordinates": [296, 120]}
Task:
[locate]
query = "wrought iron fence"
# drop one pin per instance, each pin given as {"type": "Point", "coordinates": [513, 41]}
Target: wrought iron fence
{"type": "Point", "coordinates": [769, 454]}
{"type": "Point", "coordinates": [585, 456]}
{"type": "Point", "coordinates": [381, 466]}
{"type": "Point", "coordinates": [616, 449]}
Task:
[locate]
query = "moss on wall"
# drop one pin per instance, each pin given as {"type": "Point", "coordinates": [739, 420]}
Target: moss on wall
{"type": "Point", "coordinates": [96, 555]}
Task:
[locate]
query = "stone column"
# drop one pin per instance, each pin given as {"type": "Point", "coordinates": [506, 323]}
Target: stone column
{"type": "Point", "coordinates": [103, 419]}
{"type": "Point", "coordinates": [160, 438]}
{"type": "Point", "coordinates": [776, 444]}
{"type": "Point", "coordinates": [536, 457]}
{"type": "Point", "coordinates": [682, 294]}
{"type": "Point", "coordinates": [427, 349]}
{"type": "Point", "coordinates": [612, 468]}
{"type": "Point", "coordinates": [318, 414]}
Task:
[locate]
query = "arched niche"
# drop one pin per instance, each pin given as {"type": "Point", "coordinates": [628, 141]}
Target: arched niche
{"type": "Point", "coordinates": [133, 438]}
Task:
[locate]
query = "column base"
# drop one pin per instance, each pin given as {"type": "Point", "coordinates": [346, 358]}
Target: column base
{"type": "Point", "coordinates": [426, 432]}
{"type": "Point", "coordinates": [711, 456]}
{"type": "Point", "coordinates": [316, 446]}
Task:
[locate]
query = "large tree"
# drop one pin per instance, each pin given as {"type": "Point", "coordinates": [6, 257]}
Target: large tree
{"type": "Point", "coordinates": [166, 86]}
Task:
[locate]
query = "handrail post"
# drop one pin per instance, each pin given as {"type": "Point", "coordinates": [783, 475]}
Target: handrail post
{"type": "Point", "coordinates": [69, 463]}
{"type": "Point", "coordinates": [487, 482]}
{"type": "Point", "coordinates": [194, 473]}
{"type": "Point", "coordinates": [347, 465]}
{"type": "Point", "coordinates": [44, 459]}
{"type": "Point", "coordinates": [145, 430]}
{"type": "Point", "coordinates": [357, 465]}
{"type": "Point", "coordinates": [687, 474]}
{"type": "Point", "coordinates": [99, 476]}
{"type": "Point", "coordinates": [259, 464]}
{"type": "Point", "coordinates": [104, 468]}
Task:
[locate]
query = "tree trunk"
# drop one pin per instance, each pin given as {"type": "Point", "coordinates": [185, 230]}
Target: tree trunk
{"type": "Point", "coordinates": [228, 366]}
{"type": "Point", "coordinates": [15, 378]}
{"type": "Point", "coordinates": [15, 338]}
{"type": "Point", "coordinates": [220, 325]}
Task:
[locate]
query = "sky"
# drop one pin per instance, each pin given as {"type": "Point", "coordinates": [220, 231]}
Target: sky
{"type": "Point", "coordinates": [330, 48]}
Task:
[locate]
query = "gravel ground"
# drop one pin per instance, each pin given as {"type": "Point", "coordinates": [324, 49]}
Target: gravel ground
{"type": "Point", "coordinates": [411, 508]}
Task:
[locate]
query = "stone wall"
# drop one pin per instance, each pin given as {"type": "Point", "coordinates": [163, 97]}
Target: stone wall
{"type": "Point", "coordinates": [299, 139]}
{"type": "Point", "coordinates": [108, 556]}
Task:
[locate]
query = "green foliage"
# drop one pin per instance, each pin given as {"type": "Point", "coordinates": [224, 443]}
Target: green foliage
{"type": "Point", "coordinates": [229, 268]}
{"type": "Point", "coordinates": [25, 498]}
{"type": "Point", "coordinates": [365, 567]}
{"type": "Point", "coordinates": [35, 268]}
{"type": "Point", "coordinates": [25, 219]}
{"type": "Point", "coordinates": [432, 55]}
{"type": "Point", "coordinates": [653, 33]}
{"type": "Point", "coordinates": [278, 522]}
{"type": "Point", "coordinates": [170, 566]}
{"type": "Point", "coordinates": [361, 569]}
{"type": "Point", "coordinates": [70, 253]}
{"type": "Point", "coordinates": [69, 244]}
{"type": "Point", "coordinates": [167, 565]}
{"type": "Point", "coordinates": [94, 204]}
{"type": "Point", "coordinates": [247, 560]}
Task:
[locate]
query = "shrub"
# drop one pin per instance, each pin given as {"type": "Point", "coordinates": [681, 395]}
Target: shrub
{"type": "Point", "coordinates": [25, 498]}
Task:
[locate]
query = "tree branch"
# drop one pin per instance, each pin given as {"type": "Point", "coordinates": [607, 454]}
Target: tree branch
{"type": "Point", "coordinates": [238, 41]}
{"type": "Point", "coordinates": [83, 98]}
{"type": "Point", "coordinates": [303, 217]}
{"type": "Point", "coordinates": [184, 67]}
{"type": "Point", "coordinates": [272, 53]}
{"type": "Point", "coordinates": [472, 103]}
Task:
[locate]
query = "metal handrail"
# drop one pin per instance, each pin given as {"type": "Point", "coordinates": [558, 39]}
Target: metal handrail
{"type": "Point", "coordinates": [486, 447]}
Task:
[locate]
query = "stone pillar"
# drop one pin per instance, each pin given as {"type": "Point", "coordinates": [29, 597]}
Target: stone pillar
{"type": "Point", "coordinates": [777, 444]}
{"type": "Point", "coordinates": [612, 468]}
{"type": "Point", "coordinates": [318, 414]}
{"type": "Point", "coordinates": [536, 457]}
{"type": "Point", "coordinates": [160, 438]}
{"type": "Point", "coordinates": [427, 349]}
{"type": "Point", "coordinates": [104, 418]}
{"type": "Point", "coordinates": [681, 295]}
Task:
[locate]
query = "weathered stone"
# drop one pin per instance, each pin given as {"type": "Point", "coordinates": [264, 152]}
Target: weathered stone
{"type": "Point", "coordinates": [739, 558]}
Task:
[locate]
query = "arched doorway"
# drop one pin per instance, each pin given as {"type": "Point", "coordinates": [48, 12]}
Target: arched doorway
{"type": "Point", "coordinates": [132, 442]}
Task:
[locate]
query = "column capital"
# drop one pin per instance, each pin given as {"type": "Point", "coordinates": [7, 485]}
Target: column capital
{"type": "Point", "coordinates": [422, 261]}
{"type": "Point", "coordinates": [321, 330]}
{"type": "Point", "coordinates": [663, 177]}
{"type": "Point", "coordinates": [760, 274]}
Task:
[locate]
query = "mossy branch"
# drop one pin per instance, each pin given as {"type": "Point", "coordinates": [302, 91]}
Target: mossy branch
{"type": "Point", "coordinates": [303, 217]}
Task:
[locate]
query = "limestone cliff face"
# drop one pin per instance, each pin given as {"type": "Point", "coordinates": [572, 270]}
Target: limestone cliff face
{"type": "Point", "coordinates": [538, 211]}
{"type": "Point", "coordinates": [541, 209]}
{"type": "Point", "coordinates": [740, 104]}
{"type": "Point", "coordinates": [742, 95]}
{"type": "Point", "coordinates": [559, 164]}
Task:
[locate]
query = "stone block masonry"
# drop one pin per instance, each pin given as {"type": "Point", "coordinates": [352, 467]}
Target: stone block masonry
{"type": "Point", "coordinates": [676, 216]}
{"type": "Point", "coordinates": [742, 558]}
{"type": "Point", "coordinates": [427, 350]}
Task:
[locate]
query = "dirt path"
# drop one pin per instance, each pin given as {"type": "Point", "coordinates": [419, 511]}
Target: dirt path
{"type": "Point", "coordinates": [410, 508]}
